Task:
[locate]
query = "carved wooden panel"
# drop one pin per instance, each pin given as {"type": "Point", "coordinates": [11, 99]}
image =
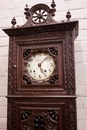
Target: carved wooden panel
{"type": "Point", "coordinates": [42, 113]}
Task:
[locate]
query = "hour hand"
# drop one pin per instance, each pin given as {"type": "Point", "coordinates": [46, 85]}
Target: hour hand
{"type": "Point", "coordinates": [41, 70]}
{"type": "Point", "coordinates": [39, 65]}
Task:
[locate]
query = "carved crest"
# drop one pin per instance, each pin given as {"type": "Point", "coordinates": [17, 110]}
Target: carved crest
{"type": "Point", "coordinates": [39, 14]}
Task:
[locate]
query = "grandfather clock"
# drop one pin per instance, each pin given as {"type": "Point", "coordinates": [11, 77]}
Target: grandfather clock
{"type": "Point", "coordinates": [41, 75]}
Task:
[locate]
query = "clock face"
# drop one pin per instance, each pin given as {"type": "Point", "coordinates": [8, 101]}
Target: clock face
{"type": "Point", "coordinates": [40, 66]}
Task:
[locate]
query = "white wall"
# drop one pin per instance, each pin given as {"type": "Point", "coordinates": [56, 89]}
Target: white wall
{"type": "Point", "coordinates": [78, 9]}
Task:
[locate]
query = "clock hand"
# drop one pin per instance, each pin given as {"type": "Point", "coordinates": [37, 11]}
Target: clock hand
{"type": "Point", "coordinates": [39, 65]}
{"type": "Point", "coordinates": [41, 70]}
{"type": "Point", "coordinates": [44, 59]}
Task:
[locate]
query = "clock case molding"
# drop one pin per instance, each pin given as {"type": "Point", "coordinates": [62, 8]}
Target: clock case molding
{"type": "Point", "coordinates": [53, 102]}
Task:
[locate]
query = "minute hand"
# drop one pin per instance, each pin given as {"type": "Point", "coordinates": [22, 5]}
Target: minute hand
{"type": "Point", "coordinates": [39, 65]}
{"type": "Point", "coordinates": [44, 59]}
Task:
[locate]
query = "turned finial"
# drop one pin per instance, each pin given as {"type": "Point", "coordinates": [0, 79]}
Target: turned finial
{"type": "Point", "coordinates": [53, 5]}
{"type": "Point", "coordinates": [68, 15]}
{"type": "Point", "coordinates": [13, 22]}
{"type": "Point", "coordinates": [26, 11]}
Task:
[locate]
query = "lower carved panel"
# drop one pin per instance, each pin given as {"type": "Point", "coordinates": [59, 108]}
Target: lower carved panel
{"type": "Point", "coordinates": [42, 113]}
{"type": "Point", "coordinates": [40, 120]}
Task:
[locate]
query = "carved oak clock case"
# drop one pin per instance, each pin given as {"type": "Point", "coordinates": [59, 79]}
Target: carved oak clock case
{"type": "Point", "coordinates": [41, 75]}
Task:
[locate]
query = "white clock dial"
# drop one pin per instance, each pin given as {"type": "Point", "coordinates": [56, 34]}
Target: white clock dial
{"type": "Point", "coordinates": [40, 66]}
